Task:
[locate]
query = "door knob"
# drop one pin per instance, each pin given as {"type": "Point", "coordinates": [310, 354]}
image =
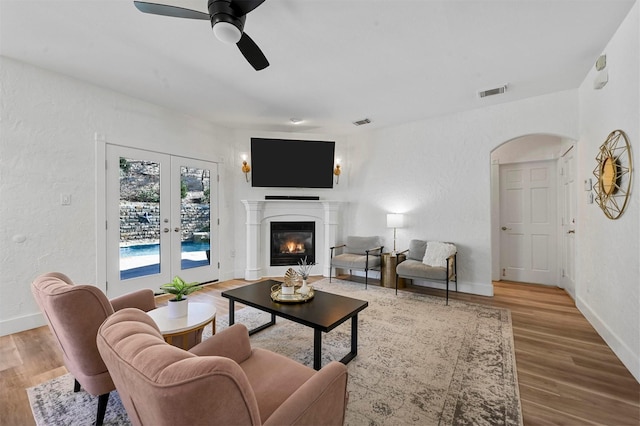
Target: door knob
{"type": "Point", "coordinates": [504, 228]}
{"type": "Point", "coordinates": [176, 229]}
{"type": "Point", "coordinates": [165, 230]}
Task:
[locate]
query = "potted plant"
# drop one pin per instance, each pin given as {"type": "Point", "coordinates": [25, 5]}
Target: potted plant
{"type": "Point", "coordinates": [180, 289]}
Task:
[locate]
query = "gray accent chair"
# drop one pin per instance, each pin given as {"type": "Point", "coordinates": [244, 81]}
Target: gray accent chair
{"type": "Point", "coordinates": [359, 253]}
{"type": "Point", "coordinates": [414, 269]}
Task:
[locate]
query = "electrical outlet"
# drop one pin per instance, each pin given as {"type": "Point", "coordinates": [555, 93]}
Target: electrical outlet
{"type": "Point", "coordinates": [65, 199]}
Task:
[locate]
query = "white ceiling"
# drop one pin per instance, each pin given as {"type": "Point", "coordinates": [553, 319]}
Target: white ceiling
{"type": "Point", "coordinates": [332, 62]}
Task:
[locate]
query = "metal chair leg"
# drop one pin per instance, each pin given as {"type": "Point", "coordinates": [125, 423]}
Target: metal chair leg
{"type": "Point", "coordinates": [447, 302]}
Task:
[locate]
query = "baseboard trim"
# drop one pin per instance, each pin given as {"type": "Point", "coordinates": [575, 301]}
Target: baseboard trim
{"type": "Point", "coordinates": [26, 322]}
{"type": "Point", "coordinates": [619, 347]}
{"type": "Point", "coordinates": [479, 289]}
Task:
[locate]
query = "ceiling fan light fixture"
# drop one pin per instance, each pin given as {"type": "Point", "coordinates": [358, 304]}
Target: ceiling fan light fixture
{"type": "Point", "coordinates": [227, 32]}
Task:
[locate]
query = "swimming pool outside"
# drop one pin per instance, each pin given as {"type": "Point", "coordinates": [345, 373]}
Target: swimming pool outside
{"type": "Point", "coordinates": [144, 259]}
{"type": "Point", "coordinates": [154, 248]}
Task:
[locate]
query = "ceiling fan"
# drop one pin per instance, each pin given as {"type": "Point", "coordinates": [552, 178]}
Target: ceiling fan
{"type": "Point", "coordinates": [227, 20]}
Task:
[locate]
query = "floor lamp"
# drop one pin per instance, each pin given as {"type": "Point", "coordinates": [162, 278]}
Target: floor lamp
{"type": "Point", "coordinates": [394, 220]}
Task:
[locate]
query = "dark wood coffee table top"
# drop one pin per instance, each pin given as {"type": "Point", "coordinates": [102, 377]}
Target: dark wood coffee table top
{"type": "Point", "coordinates": [324, 312]}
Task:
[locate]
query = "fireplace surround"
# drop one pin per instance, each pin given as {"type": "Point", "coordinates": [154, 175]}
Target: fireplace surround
{"type": "Point", "coordinates": [260, 213]}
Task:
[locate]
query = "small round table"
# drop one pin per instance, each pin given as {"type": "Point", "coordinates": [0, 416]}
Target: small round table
{"type": "Point", "coordinates": [185, 332]}
{"type": "Point", "coordinates": [388, 274]}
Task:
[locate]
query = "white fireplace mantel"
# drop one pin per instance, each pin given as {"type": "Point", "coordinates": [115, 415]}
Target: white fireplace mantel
{"type": "Point", "coordinates": [260, 213]}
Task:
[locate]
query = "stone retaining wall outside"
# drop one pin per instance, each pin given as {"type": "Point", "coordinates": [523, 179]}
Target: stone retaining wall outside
{"type": "Point", "coordinates": [141, 222]}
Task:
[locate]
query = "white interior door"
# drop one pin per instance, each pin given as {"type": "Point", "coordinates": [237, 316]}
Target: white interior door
{"type": "Point", "coordinates": [161, 219]}
{"type": "Point", "coordinates": [568, 222]}
{"type": "Point", "coordinates": [528, 242]}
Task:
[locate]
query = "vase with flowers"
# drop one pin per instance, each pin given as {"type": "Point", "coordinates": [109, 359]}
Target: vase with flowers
{"type": "Point", "coordinates": [304, 269]}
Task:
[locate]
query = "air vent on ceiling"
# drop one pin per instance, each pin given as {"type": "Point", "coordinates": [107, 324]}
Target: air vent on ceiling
{"type": "Point", "coordinates": [491, 92]}
{"type": "Point", "coordinates": [361, 122]}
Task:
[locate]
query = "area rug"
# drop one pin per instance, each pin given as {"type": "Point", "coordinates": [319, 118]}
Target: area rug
{"type": "Point", "coordinates": [419, 362]}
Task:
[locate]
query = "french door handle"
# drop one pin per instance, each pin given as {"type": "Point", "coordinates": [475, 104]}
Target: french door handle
{"type": "Point", "coordinates": [176, 229]}
{"type": "Point", "coordinates": [571, 231]}
{"type": "Point", "coordinates": [504, 228]}
{"type": "Point", "coordinates": [165, 230]}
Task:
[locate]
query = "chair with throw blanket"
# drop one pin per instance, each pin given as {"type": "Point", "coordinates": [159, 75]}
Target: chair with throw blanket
{"type": "Point", "coordinates": [220, 381]}
{"type": "Point", "coordinates": [359, 253]}
{"type": "Point", "coordinates": [74, 314]}
{"type": "Point", "coordinates": [429, 261]}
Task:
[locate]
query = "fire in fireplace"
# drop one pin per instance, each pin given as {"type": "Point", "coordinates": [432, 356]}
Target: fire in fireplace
{"type": "Point", "coordinates": [292, 242]}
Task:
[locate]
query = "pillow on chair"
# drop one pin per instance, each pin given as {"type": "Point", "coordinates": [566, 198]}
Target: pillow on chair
{"type": "Point", "coordinates": [437, 253]}
{"type": "Point", "coordinates": [417, 249]}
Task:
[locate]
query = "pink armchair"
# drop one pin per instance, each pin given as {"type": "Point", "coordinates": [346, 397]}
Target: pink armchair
{"type": "Point", "coordinates": [74, 313]}
{"type": "Point", "coordinates": [220, 381]}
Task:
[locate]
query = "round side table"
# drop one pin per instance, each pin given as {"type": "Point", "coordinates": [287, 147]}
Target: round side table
{"type": "Point", "coordinates": [185, 332]}
{"type": "Point", "coordinates": [388, 270]}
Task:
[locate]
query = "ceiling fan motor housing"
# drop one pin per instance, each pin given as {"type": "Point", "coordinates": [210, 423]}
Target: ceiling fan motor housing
{"type": "Point", "coordinates": [222, 11]}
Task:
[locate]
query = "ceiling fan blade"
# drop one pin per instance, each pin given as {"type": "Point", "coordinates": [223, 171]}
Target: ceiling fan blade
{"type": "Point", "coordinates": [245, 6]}
{"type": "Point", "coordinates": [166, 10]}
{"type": "Point", "coordinates": [252, 52]}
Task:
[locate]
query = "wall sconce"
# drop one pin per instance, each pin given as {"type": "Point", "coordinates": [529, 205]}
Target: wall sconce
{"type": "Point", "coordinates": [246, 168]}
{"type": "Point", "coordinates": [394, 220]}
{"type": "Point", "coordinates": [337, 170]}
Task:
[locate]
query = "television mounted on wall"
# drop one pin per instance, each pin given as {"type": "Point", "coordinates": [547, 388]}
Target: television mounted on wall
{"type": "Point", "coordinates": [291, 163]}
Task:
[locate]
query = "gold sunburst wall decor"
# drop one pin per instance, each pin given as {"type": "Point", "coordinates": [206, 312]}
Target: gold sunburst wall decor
{"type": "Point", "coordinates": [613, 174]}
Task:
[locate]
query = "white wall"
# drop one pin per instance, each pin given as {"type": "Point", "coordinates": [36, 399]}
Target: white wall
{"type": "Point", "coordinates": [437, 172]}
{"type": "Point", "coordinates": [608, 251]}
{"type": "Point", "coordinates": [47, 148]}
{"type": "Point", "coordinates": [528, 148]}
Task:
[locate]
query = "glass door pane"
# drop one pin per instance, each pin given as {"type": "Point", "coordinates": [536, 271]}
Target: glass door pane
{"type": "Point", "coordinates": [139, 218]}
{"type": "Point", "coordinates": [195, 217]}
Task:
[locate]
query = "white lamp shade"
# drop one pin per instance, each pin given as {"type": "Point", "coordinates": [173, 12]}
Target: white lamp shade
{"type": "Point", "coordinates": [395, 220]}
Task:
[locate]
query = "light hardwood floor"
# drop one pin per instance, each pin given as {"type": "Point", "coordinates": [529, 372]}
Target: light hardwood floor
{"type": "Point", "coordinates": [567, 375]}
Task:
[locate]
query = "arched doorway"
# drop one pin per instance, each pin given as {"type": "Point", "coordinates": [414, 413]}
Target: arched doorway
{"type": "Point", "coordinates": [533, 199]}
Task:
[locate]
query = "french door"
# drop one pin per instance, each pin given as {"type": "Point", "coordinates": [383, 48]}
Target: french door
{"type": "Point", "coordinates": [162, 219]}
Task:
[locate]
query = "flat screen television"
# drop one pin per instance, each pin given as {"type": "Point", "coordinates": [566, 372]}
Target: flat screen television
{"type": "Point", "coordinates": [289, 163]}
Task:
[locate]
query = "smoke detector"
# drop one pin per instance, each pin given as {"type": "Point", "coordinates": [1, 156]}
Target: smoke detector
{"type": "Point", "coordinates": [492, 92]}
{"type": "Point", "coordinates": [361, 122]}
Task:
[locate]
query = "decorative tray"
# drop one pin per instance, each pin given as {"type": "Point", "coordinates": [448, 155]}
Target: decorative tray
{"type": "Point", "coordinates": [296, 297]}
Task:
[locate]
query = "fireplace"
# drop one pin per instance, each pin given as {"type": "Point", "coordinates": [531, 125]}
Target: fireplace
{"type": "Point", "coordinates": [292, 242]}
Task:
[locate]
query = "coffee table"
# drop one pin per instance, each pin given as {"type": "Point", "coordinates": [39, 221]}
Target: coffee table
{"type": "Point", "coordinates": [323, 313]}
{"type": "Point", "coordinates": [185, 332]}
